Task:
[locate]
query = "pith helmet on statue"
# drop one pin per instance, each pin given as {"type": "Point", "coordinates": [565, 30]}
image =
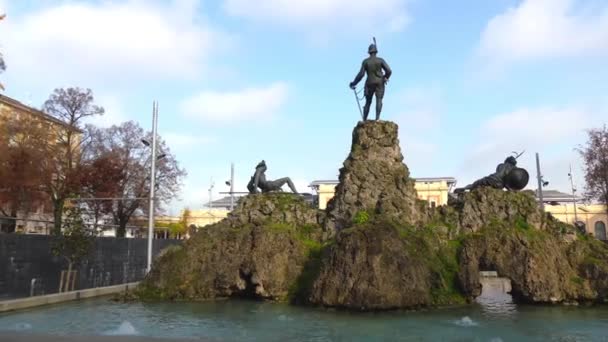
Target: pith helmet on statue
{"type": "Point", "coordinates": [511, 160]}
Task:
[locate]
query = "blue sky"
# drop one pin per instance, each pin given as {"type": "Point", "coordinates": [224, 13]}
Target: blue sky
{"type": "Point", "coordinates": [240, 81]}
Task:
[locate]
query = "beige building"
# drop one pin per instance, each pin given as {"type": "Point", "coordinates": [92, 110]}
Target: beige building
{"type": "Point", "coordinates": [562, 206]}
{"type": "Point", "coordinates": [325, 190]}
{"type": "Point", "coordinates": [435, 190]}
{"type": "Point", "coordinates": [198, 217]}
{"type": "Point", "coordinates": [204, 217]}
{"type": "Point", "coordinates": [592, 215]}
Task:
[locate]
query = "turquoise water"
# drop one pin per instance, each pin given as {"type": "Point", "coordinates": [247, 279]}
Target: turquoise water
{"type": "Point", "coordinates": [237, 320]}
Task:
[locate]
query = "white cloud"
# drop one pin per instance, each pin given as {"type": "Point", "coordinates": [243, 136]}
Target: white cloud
{"type": "Point", "coordinates": [418, 108]}
{"type": "Point", "coordinates": [301, 185]}
{"type": "Point", "coordinates": [113, 41]}
{"type": "Point", "coordinates": [185, 141]}
{"type": "Point", "coordinates": [325, 15]}
{"type": "Point", "coordinates": [538, 126]}
{"type": "Point", "coordinates": [538, 29]}
{"type": "Point", "coordinates": [245, 104]}
{"type": "Point", "coordinates": [113, 115]}
{"type": "Point", "coordinates": [418, 114]}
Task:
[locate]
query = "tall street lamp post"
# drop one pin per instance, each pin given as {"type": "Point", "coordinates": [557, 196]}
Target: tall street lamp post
{"type": "Point", "coordinates": [573, 195]}
{"type": "Point", "coordinates": [541, 183]}
{"type": "Point", "coordinates": [152, 185]}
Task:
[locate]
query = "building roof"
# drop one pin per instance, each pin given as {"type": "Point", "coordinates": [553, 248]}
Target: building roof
{"type": "Point", "coordinates": [224, 202]}
{"type": "Point", "coordinates": [557, 196]}
{"type": "Point", "coordinates": [436, 179]}
{"type": "Point", "coordinates": [36, 112]}
{"type": "Point", "coordinates": [319, 182]}
{"type": "Point", "coordinates": [423, 179]}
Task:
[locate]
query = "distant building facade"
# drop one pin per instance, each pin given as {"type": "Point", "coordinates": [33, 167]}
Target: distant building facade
{"type": "Point", "coordinates": [325, 190]}
{"type": "Point", "coordinates": [138, 226]}
{"type": "Point", "coordinates": [592, 216]}
{"type": "Point", "coordinates": [204, 217]}
{"type": "Point", "coordinates": [435, 190]}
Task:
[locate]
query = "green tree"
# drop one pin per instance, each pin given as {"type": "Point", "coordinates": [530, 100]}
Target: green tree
{"type": "Point", "coordinates": [75, 242]}
{"type": "Point", "coordinates": [176, 229]}
{"type": "Point", "coordinates": [185, 219]}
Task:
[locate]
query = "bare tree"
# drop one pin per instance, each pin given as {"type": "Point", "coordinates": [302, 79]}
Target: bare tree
{"type": "Point", "coordinates": [134, 159]}
{"type": "Point", "coordinates": [2, 64]}
{"type": "Point", "coordinates": [595, 156]}
{"type": "Point", "coordinates": [71, 106]}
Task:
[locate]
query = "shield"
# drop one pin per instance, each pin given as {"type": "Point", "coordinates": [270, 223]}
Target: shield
{"type": "Point", "coordinates": [517, 179]}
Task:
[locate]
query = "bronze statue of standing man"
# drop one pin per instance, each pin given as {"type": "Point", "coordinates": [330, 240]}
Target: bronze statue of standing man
{"type": "Point", "coordinates": [378, 73]}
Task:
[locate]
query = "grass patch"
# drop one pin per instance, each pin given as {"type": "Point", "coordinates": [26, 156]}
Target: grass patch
{"type": "Point", "coordinates": [361, 217]}
{"type": "Point", "coordinates": [309, 237]}
{"type": "Point", "coordinates": [445, 268]}
{"type": "Point", "coordinates": [279, 227]}
{"type": "Point", "coordinates": [300, 290]}
{"type": "Point", "coordinates": [522, 224]}
{"type": "Point", "coordinates": [441, 256]}
{"type": "Point", "coordinates": [577, 280]}
{"type": "Point", "coordinates": [286, 200]}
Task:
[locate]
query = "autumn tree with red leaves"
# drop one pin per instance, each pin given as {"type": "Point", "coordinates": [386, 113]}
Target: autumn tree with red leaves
{"type": "Point", "coordinates": [23, 141]}
{"type": "Point", "coordinates": [99, 180]}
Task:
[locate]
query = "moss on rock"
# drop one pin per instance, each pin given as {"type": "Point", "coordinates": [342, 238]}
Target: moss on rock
{"type": "Point", "coordinates": [589, 257]}
{"type": "Point", "coordinates": [259, 251]}
{"type": "Point", "coordinates": [382, 265]}
{"type": "Point", "coordinates": [374, 179]}
{"type": "Point", "coordinates": [534, 260]}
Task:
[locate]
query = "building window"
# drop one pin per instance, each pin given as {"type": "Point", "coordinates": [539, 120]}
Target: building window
{"type": "Point", "coordinates": [600, 230]}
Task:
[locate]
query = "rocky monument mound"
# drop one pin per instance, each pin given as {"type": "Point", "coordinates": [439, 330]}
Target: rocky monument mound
{"type": "Point", "coordinates": [262, 250]}
{"type": "Point", "coordinates": [377, 246]}
{"type": "Point", "coordinates": [507, 232]}
{"type": "Point", "coordinates": [379, 265]}
{"type": "Point", "coordinates": [374, 179]}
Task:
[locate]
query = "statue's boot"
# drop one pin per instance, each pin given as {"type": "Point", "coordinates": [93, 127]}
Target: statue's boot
{"type": "Point", "coordinates": [365, 112]}
{"type": "Point", "coordinates": [378, 108]}
{"type": "Point", "coordinates": [368, 104]}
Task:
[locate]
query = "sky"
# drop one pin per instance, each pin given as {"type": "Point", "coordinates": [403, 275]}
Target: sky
{"type": "Point", "coordinates": [239, 81]}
